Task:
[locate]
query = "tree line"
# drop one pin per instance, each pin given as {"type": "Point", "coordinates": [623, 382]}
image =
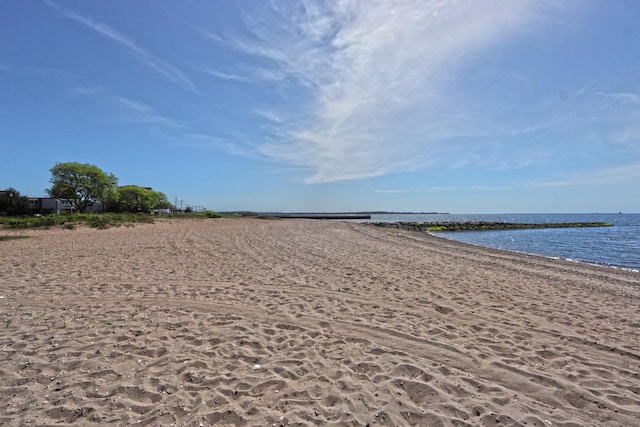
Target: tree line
{"type": "Point", "coordinates": [83, 185]}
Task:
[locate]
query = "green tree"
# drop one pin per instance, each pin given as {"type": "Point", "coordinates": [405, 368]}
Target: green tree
{"type": "Point", "coordinates": [12, 203]}
{"type": "Point", "coordinates": [132, 198]}
{"type": "Point", "coordinates": [81, 184]}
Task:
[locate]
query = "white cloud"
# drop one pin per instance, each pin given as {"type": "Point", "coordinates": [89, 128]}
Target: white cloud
{"type": "Point", "coordinates": [134, 106]}
{"type": "Point", "coordinates": [607, 176]}
{"type": "Point", "coordinates": [87, 91]}
{"type": "Point", "coordinates": [245, 74]}
{"type": "Point", "coordinates": [156, 64]}
{"type": "Point", "coordinates": [202, 141]}
{"type": "Point", "coordinates": [54, 75]}
{"type": "Point", "coordinates": [139, 112]}
{"type": "Point", "coordinates": [378, 74]}
{"type": "Point", "coordinates": [131, 110]}
{"type": "Point", "coordinates": [624, 108]}
{"type": "Point", "coordinates": [270, 115]}
{"type": "Point", "coordinates": [224, 76]}
{"type": "Point", "coordinates": [630, 135]}
{"type": "Point", "coordinates": [630, 98]}
{"type": "Point", "coordinates": [451, 189]}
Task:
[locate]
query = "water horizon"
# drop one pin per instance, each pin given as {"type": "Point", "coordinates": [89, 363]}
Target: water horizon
{"type": "Point", "coordinates": [617, 246]}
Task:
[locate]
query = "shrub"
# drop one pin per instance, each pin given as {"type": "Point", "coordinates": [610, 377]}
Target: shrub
{"type": "Point", "coordinates": [98, 221]}
{"type": "Point", "coordinates": [70, 221]}
{"type": "Point", "coordinates": [18, 223]}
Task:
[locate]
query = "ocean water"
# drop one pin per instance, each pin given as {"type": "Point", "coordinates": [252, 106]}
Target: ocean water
{"type": "Point", "coordinates": [617, 246]}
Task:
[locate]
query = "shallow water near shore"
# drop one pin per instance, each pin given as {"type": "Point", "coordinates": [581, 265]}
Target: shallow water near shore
{"type": "Point", "coordinates": [617, 246]}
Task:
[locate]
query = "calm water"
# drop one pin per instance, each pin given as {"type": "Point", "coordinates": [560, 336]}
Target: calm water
{"type": "Point", "coordinates": [617, 246]}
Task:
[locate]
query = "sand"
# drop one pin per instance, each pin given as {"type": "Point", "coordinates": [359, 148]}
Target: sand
{"type": "Point", "coordinates": [299, 322]}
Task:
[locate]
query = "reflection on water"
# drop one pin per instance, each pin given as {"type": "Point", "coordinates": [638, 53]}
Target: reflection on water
{"type": "Point", "coordinates": [617, 246]}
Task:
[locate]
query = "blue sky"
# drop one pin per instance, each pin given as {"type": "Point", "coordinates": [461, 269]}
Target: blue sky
{"type": "Point", "coordinates": [414, 105]}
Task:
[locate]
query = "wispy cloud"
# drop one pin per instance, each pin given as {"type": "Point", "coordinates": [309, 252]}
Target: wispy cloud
{"type": "Point", "coordinates": [630, 135]}
{"type": "Point", "coordinates": [378, 75]}
{"type": "Point", "coordinates": [54, 75]}
{"type": "Point", "coordinates": [606, 176]}
{"type": "Point", "coordinates": [160, 67]}
{"type": "Point", "coordinates": [631, 98]}
{"type": "Point", "coordinates": [270, 115]}
{"type": "Point", "coordinates": [139, 112]}
{"type": "Point", "coordinates": [245, 74]}
{"type": "Point", "coordinates": [87, 91]}
{"type": "Point", "coordinates": [451, 189]}
{"type": "Point", "coordinates": [230, 145]}
{"type": "Point", "coordinates": [224, 76]}
{"type": "Point", "coordinates": [129, 110]}
{"type": "Point", "coordinates": [624, 107]}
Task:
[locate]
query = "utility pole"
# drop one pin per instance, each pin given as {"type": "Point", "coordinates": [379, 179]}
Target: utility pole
{"type": "Point", "coordinates": [181, 202]}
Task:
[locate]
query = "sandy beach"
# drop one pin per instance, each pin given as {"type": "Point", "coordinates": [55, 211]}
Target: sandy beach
{"type": "Point", "coordinates": [253, 322]}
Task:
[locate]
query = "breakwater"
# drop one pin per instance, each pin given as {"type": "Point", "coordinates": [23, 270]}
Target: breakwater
{"type": "Point", "coordinates": [321, 216]}
{"type": "Point", "coordinates": [482, 225]}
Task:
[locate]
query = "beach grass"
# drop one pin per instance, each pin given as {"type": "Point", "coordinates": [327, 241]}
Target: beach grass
{"type": "Point", "coordinates": [95, 220]}
{"type": "Point", "coordinates": [70, 221]}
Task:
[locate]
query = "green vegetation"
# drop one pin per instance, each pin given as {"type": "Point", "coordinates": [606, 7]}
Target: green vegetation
{"type": "Point", "coordinates": [134, 199]}
{"type": "Point", "coordinates": [105, 220]}
{"type": "Point", "coordinates": [12, 203]}
{"type": "Point", "coordinates": [12, 237]}
{"type": "Point", "coordinates": [211, 214]}
{"type": "Point", "coordinates": [80, 183]}
{"type": "Point", "coordinates": [205, 214]}
{"type": "Point", "coordinates": [101, 221]}
{"type": "Point", "coordinates": [82, 186]}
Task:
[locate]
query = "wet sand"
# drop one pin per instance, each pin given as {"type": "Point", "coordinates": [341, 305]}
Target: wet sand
{"type": "Point", "coordinates": [300, 322]}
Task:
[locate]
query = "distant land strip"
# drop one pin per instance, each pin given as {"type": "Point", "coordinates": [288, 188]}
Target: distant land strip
{"type": "Point", "coordinates": [482, 225]}
{"type": "Point", "coordinates": [328, 215]}
{"type": "Point", "coordinates": [322, 216]}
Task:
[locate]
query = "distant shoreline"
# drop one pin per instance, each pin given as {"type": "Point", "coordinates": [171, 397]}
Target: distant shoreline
{"type": "Point", "coordinates": [290, 214]}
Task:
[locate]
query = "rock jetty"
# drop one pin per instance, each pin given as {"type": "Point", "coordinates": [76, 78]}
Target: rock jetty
{"type": "Point", "coordinates": [481, 225]}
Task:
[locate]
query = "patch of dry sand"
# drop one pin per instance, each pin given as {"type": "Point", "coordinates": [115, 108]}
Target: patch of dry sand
{"type": "Point", "coordinates": [298, 322]}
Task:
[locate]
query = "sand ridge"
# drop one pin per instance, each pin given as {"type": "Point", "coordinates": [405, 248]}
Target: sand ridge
{"type": "Point", "coordinates": [301, 322]}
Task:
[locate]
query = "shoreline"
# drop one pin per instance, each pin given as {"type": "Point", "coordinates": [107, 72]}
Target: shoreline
{"type": "Point", "coordinates": [559, 258]}
{"type": "Point", "coordinates": [303, 322]}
